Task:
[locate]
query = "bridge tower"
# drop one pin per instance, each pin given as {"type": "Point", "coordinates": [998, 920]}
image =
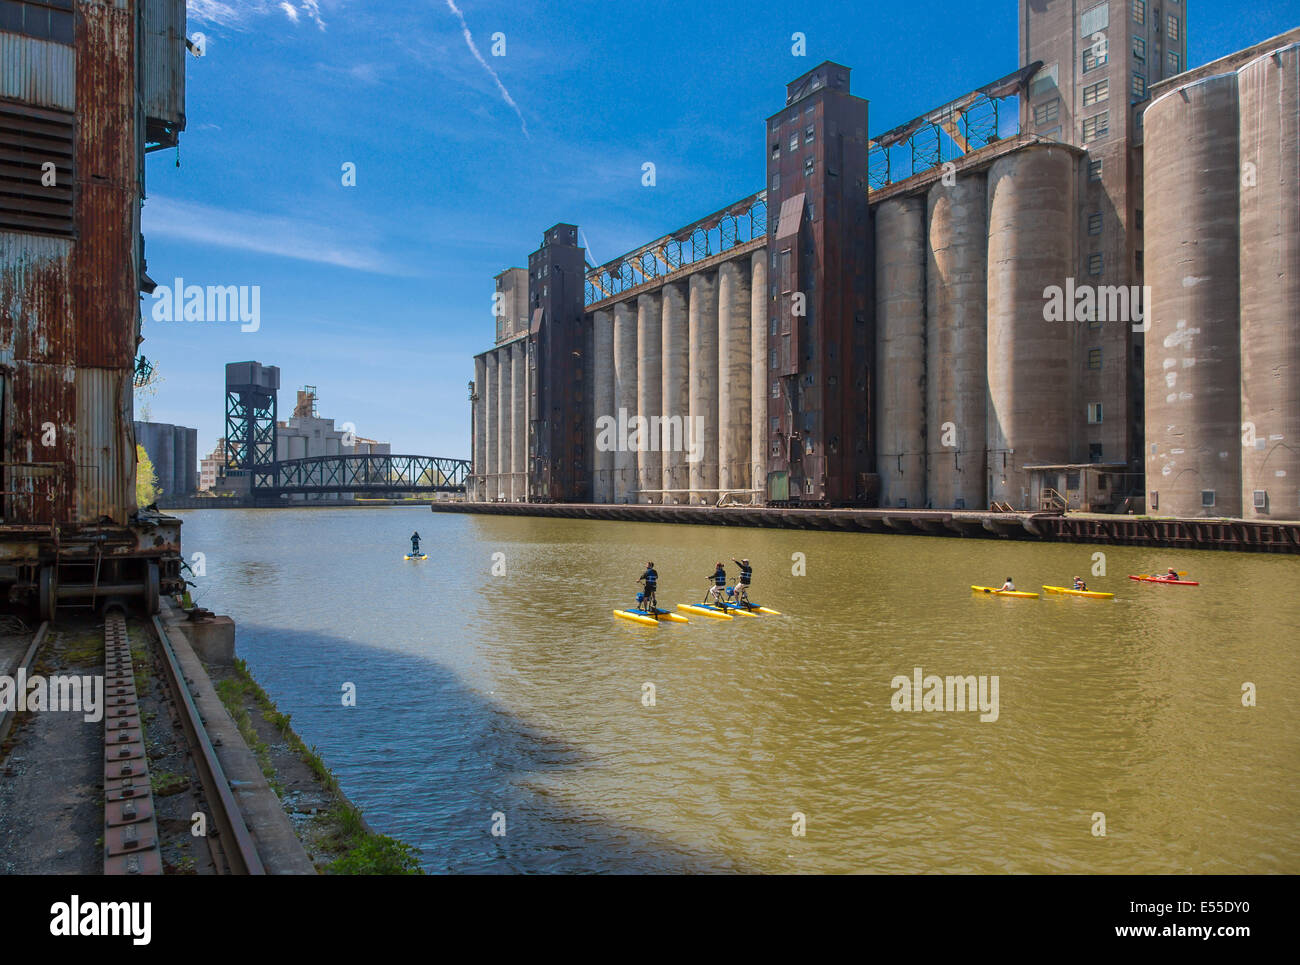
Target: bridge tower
{"type": "Point", "coordinates": [250, 416]}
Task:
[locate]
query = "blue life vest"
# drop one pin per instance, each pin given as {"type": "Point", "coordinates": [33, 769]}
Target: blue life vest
{"type": "Point", "coordinates": [720, 578]}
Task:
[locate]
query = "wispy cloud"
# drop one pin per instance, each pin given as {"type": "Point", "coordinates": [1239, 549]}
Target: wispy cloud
{"type": "Point", "coordinates": [473, 48]}
{"type": "Point", "coordinates": [237, 14]}
{"type": "Point", "coordinates": [266, 234]}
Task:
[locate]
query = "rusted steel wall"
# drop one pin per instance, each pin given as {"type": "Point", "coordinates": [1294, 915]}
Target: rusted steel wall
{"type": "Point", "coordinates": [162, 66]}
{"type": "Point", "coordinates": [37, 72]}
{"type": "Point", "coordinates": [105, 283]}
{"type": "Point", "coordinates": [69, 309]}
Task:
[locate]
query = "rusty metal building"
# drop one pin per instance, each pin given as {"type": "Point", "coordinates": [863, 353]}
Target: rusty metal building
{"type": "Point", "coordinates": [87, 89]}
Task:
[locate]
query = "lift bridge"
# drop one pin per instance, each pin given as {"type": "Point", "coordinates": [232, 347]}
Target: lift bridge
{"type": "Point", "coordinates": [251, 448]}
{"type": "Point", "coordinates": [365, 474]}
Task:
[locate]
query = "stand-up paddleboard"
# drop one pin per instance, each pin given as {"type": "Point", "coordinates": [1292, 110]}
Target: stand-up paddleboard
{"type": "Point", "coordinates": [706, 611]}
{"type": "Point", "coordinates": [994, 591]}
{"type": "Point", "coordinates": [1156, 579]}
{"type": "Point", "coordinates": [1090, 594]}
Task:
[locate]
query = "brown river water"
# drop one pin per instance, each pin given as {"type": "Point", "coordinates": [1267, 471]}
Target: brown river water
{"type": "Point", "coordinates": [496, 691]}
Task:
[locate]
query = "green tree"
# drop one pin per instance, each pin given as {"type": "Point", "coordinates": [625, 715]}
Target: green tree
{"type": "Point", "coordinates": [146, 479]}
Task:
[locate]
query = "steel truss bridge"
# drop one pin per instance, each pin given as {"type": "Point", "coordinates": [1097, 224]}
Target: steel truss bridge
{"type": "Point", "coordinates": [363, 474]}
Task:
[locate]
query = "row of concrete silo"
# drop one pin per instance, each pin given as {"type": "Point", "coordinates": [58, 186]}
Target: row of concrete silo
{"type": "Point", "coordinates": [677, 377]}
{"type": "Point", "coordinates": [174, 453]}
{"type": "Point", "coordinates": [501, 379]}
{"type": "Point", "coordinates": [1222, 364]}
{"type": "Point", "coordinates": [972, 382]}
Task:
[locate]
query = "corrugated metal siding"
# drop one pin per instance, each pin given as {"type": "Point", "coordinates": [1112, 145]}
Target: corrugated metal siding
{"type": "Point", "coordinates": [104, 270]}
{"type": "Point", "coordinates": [105, 445]}
{"type": "Point", "coordinates": [44, 476]}
{"type": "Point", "coordinates": [162, 81]}
{"type": "Point", "coordinates": [35, 299]}
{"type": "Point", "coordinates": [38, 72]}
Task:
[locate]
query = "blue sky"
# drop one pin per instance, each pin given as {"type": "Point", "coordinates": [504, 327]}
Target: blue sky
{"type": "Point", "coordinates": [380, 294]}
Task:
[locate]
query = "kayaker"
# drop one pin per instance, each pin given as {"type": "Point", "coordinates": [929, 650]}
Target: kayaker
{"type": "Point", "coordinates": [742, 584]}
{"type": "Point", "coordinates": [718, 589]}
{"type": "Point", "coordinates": [415, 544]}
{"type": "Point", "coordinates": [1171, 575]}
{"type": "Point", "coordinates": [1080, 585]}
{"type": "Point", "coordinates": [1007, 587]}
{"type": "Point", "coordinates": [651, 580]}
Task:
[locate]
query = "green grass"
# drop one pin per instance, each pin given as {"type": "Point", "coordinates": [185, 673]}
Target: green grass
{"type": "Point", "coordinates": [164, 783]}
{"type": "Point", "coordinates": [365, 853]}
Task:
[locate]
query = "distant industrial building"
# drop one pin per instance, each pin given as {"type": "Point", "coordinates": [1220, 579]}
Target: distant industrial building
{"type": "Point", "coordinates": [210, 466]}
{"type": "Point", "coordinates": [1050, 292]}
{"type": "Point", "coordinates": [174, 452]}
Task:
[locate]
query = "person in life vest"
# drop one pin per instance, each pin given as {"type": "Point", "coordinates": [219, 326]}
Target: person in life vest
{"type": "Point", "coordinates": [1171, 575]}
{"type": "Point", "coordinates": [651, 580]}
{"type": "Point", "coordinates": [415, 544]}
{"type": "Point", "coordinates": [1079, 584]}
{"type": "Point", "coordinates": [717, 592]}
{"type": "Point", "coordinates": [742, 583]}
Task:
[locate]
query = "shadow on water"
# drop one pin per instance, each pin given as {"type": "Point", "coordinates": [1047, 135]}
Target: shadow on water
{"type": "Point", "coordinates": [432, 762]}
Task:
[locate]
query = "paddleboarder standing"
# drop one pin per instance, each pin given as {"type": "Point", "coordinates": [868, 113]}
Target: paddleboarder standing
{"type": "Point", "coordinates": [415, 544]}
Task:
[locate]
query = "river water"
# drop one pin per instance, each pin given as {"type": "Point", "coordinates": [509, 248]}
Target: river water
{"type": "Point", "coordinates": [499, 691]}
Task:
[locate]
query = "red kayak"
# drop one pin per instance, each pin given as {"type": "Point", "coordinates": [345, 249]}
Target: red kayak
{"type": "Point", "coordinates": [1157, 579]}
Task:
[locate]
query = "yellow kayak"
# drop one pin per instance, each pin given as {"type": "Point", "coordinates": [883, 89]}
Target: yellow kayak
{"type": "Point", "coordinates": [705, 611]}
{"type": "Point", "coordinates": [994, 591]}
{"type": "Point", "coordinates": [1090, 594]}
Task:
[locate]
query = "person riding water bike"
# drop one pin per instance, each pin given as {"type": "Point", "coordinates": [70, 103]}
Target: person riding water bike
{"type": "Point", "coordinates": [415, 544]}
{"type": "Point", "coordinates": [651, 580]}
{"type": "Point", "coordinates": [717, 592]}
{"type": "Point", "coordinates": [741, 595]}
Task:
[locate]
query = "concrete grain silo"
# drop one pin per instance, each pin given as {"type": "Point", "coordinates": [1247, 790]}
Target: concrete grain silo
{"type": "Point", "coordinates": [480, 426]}
{"type": "Point", "coordinates": [758, 319]}
{"type": "Point", "coordinates": [649, 391]}
{"type": "Point", "coordinates": [734, 374]}
{"type": "Point", "coordinates": [1269, 94]}
{"type": "Point", "coordinates": [1031, 245]}
{"type": "Point", "coordinates": [900, 351]}
{"type": "Point", "coordinates": [676, 390]}
{"type": "Point", "coordinates": [602, 368]}
{"type": "Point", "coordinates": [956, 335]}
{"type": "Point", "coordinates": [1193, 354]}
{"type": "Point", "coordinates": [625, 399]}
{"type": "Point", "coordinates": [702, 432]}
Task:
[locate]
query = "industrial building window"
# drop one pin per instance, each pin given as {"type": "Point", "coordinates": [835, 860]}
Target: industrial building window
{"type": "Point", "coordinates": [1139, 11]}
{"type": "Point", "coordinates": [41, 19]}
{"type": "Point", "coordinates": [1091, 61]}
{"type": "Point", "coordinates": [1094, 223]}
{"type": "Point", "coordinates": [1096, 262]}
{"type": "Point", "coordinates": [1139, 87]}
{"type": "Point", "coordinates": [36, 180]}
{"type": "Point", "coordinates": [1096, 127]}
{"type": "Point", "coordinates": [1094, 413]}
{"type": "Point", "coordinates": [809, 134]}
{"type": "Point", "coordinates": [1047, 113]}
{"type": "Point", "coordinates": [1096, 93]}
{"type": "Point", "coordinates": [1140, 49]}
{"type": "Point", "coordinates": [1172, 30]}
{"type": "Point", "coordinates": [794, 141]}
{"type": "Point", "coordinates": [776, 150]}
{"type": "Point", "coordinates": [1137, 260]}
{"type": "Point", "coordinates": [1044, 81]}
{"type": "Point", "coordinates": [807, 165]}
{"type": "Point", "coordinates": [776, 181]}
{"type": "Point", "coordinates": [774, 366]}
{"type": "Point", "coordinates": [1094, 170]}
{"type": "Point", "coordinates": [1137, 218]}
{"type": "Point", "coordinates": [1207, 498]}
{"type": "Point", "coordinates": [1094, 358]}
{"type": "Point", "coordinates": [1094, 455]}
{"type": "Point", "coordinates": [1175, 62]}
{"type": "Point", "coordinates": [812, 211]}
{"type": "Point", "coordinates": [1260, 499]}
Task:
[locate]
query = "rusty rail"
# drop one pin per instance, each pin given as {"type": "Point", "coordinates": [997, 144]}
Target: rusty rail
{"type": "Point", "coordinates": [25, 664]}
{"type": "Point", "coordinates": [232, 835]}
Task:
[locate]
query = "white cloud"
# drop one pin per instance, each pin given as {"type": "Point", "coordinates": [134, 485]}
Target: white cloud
{"type": "Point", "coordinates": [290, 11]}
{"type": "Point", "coordinates": [238, 14]}
{"type": "Point", "coordinates": [473, 48]}
{"type": "Point", "coordinates": [265, 234]}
